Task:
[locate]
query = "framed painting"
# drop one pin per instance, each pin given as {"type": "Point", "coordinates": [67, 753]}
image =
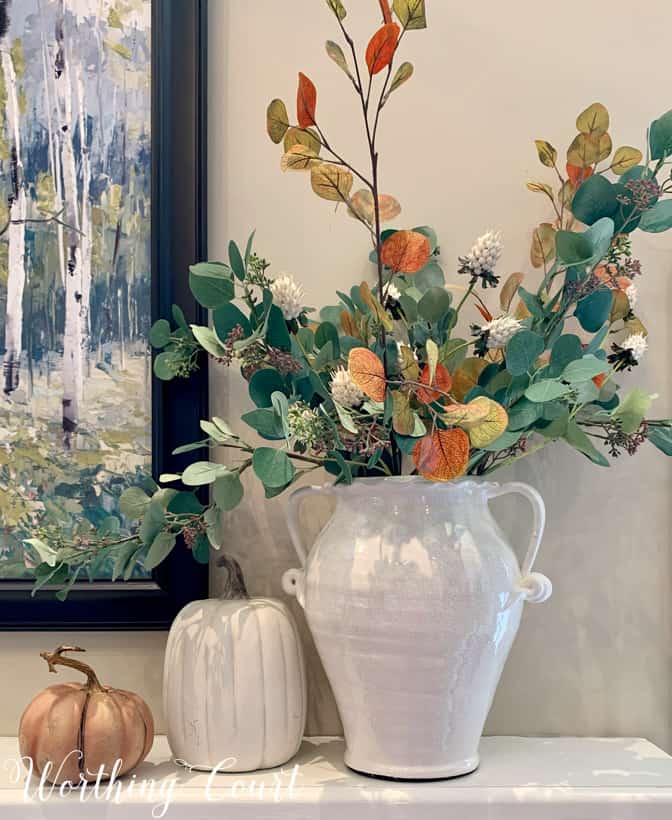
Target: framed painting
{"type": "Point", "coordinates": [102, 210]}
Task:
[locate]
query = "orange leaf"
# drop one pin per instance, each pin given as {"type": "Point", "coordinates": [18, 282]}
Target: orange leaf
{"type": "Point", "coordinates": [367, 372]}
{"type": "Point", "coordinates": [443, 455]}
{"type": "Point", "coordinates": [347, 324]}
{"type": "Point", "coordinates": [442, 382]}
{"type": "Point", "coordinates": [485, 313]}
{"type": "Point", "coordinates": [381, 48]}
{"type": "Point", "coordinates": [577, 174]}
{"type": "Point", "coordinates": [385, 8]}
{"type": "Point", "coordinates": [306, 101]}
{"type": "Point", "coordinates": [466, 376]}
{"type": "Point", "coordinates": [406, 251]}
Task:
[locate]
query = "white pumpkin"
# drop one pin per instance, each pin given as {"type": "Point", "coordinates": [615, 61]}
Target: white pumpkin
{"type": "Point", "coordinates": [234, 686]}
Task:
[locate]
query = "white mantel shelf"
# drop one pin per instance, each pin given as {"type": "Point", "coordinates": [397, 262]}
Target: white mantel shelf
{"type": "Point", "coordinates": [519, 779]}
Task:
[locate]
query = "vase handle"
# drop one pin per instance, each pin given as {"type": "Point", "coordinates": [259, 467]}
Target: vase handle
{"type": "Point", "coordinates": [533, 586]}
{"type": "Point", "coordinates": [293, 581]}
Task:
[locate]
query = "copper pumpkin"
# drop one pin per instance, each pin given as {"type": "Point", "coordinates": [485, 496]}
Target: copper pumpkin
{"type": "Point", "coordinates": [74, 731]}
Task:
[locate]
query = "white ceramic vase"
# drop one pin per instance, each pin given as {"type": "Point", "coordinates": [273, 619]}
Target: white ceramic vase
{"type": "Point", "coordinates": [414, 598]}
{"type": "Point", "coordinates": [234, 686]}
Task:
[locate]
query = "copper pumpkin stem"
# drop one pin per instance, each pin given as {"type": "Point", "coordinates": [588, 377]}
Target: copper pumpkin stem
{"type": "Point", "coordinates": [57, 658]}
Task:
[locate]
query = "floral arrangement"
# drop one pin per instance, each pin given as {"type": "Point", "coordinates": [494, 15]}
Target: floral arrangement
{"type": "Point", "coordinates": [380, 384]}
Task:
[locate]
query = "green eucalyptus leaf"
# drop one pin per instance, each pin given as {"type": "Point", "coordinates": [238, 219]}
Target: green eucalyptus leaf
{"type": "Point", "coordinates": [47, 554]}
{"type": "Point", "coordinates": [306, 339]}
{"type": "Point", "coordinates": [328, 332]}
{"type": "Point", "coordinates": [452, 353]}
{"type": "Point", "coordinates": [160, 549]}
{"type": "Point", "coordinates": [248, 247]}
{"type": "Point", "coordinates": [660, 137]}
{"type": "Point", "coordinates": [124, 552]}
{"type": "Point", "coordinates": [595, 198]}
{"type": "Point", "coordinates": [236, 260]}
{"type": "Point", "coordinates": [165, 364]}
{"type": "Point", "coordinates": [573, 248]}
{"type": "Point", "coordinates": [633, 408]}
{"type": "Point", "coordinates": [185, 503]}
{"type": "Point", "coordinates": [164, 496]}
{"type": "Point", "coordinates": [431, 276]}
{"type": "Point", "coordinates": [263, 384]}
{"type": "Point", "coordinates": [266, 422]}
{"type": "Point", "coordinates": [226, 318]}
{"type": "Point", "coordinates": [596, 342]}
{"type": "Point", "coordinates": [179, 318]}
{"type": "Point", "coordinates": [133, 502]}
{"type": "Point", "coordinates": [661, 437]}
{"type": "Point", "coordinates": [532, 302]}
{"type": "Point", "coordinates": [214, 530]}
{"type": "Point", "coordinates": [277, 334]}
{"type": "Point", "coordinates": [190, 448]}
{"type": "Point", "coordinates": [160, 333]}
{"type": "Point", "coordinates": [506, 440]}
{"type": "Point", "coordinates": [523, 414]}
{"type": "Point", "coordinates": [345, 417]}
{"type": "Point", "coordinates": [227, 491]}
{"type": "Point", "coordinates": [212, 284]}
{"type": "Point", "coordinates": [593, 310]}
{"type": "Point", "coordinates": [281, 407]}
{"type": "Point", "coordinates": [435, 304]}
{"type": "Point", "coordinates": [202, 472]}
{"type": "Point", "coordinates": [600, 235]}
{"type": "Point", "coordinates": [201, 549]}
{"type": "Point", "coordinates": [581, 442]}
{"type": "Point", "coordinates": [208, 341]}
{"type": "Point", "coordinates": [272, 467]}
{"type": "Point", "coordinates": [547, 390]}
{"type": "Point", "coordinates": [152, 522]}
{"type": "Point", "coordinates": [658, 218]}
{"type": "Point", "coordinates": [584, 369]}
{"type": "Point", "coordinates": [522, 351]}
{"type": "Point", "coordinates": [566, 349]}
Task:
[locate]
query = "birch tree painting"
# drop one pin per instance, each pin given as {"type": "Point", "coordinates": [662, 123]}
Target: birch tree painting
{"type": "Point", "coordinates": [74, 266]}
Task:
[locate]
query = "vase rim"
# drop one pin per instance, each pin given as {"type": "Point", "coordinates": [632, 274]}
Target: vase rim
{"type": "Point", "coordinates": [415, 481]}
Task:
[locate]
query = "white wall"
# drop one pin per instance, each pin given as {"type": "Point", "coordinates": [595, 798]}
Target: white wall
{"type": "Point", "coordinates": [125, 660]}
{"type": "Point", "coordinates": [456, 149]}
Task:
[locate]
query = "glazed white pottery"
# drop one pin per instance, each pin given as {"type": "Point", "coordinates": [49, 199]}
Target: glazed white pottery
{"type": "Point", "coordinates": [414, 597]}
{"type": "Point", "coordinates": [234, 685]}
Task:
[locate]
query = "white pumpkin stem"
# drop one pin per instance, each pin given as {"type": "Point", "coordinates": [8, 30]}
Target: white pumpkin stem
{"type": "Point", "coordinates": [57, 658]}
{"type": "Point", "coordinates": [235, 588]}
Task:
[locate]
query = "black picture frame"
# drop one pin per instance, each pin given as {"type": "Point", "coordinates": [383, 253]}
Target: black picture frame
{"type": "Point", "coordinates": [179, 224]}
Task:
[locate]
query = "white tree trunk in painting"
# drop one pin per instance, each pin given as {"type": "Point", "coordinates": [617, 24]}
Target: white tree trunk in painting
{"type": "Point", "coordinates": [16, 269]}
{"type": "Point", "coordinates": [54, 153]}
{"type": "Point", "coordinates": [85, 224]}
{"type": "Point", "coordinates": [73, 372]}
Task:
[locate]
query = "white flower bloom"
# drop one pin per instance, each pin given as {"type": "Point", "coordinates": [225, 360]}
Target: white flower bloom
{"type": "Point", "coordinates": [501, 329]}
{"type": "Point", "coordinates": [344, 390]}
{"type": "Point", "coordinates": [485, 253]}
{"type": "Point", "coordinates": [636, 343]}
{"type": "Point", "coordinates": [288, 296]}
{"type": "Point", "coordinates": [393, 293]}
{"type": "Point", "coordinates": [631, 293]}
